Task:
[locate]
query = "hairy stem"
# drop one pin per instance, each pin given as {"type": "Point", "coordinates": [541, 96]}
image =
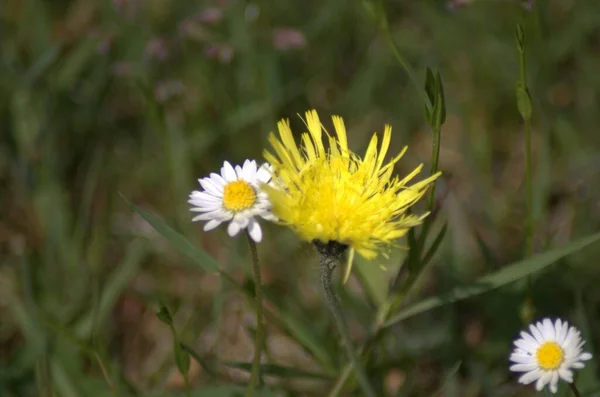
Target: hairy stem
{"type": "Point", "coordinates": [328, 264]}
{"type": "Point", "coordinates": [255, 376]}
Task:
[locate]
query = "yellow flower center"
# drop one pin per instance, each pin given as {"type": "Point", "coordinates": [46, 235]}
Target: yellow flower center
{"type": "Point", "coordinates": [549, 356]}
{"type": "Point", "coordinates": [238, 195]}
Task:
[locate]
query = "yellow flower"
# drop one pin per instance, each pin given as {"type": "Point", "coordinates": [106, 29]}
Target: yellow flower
{"type": "Point", "coordinates": [334, 195]}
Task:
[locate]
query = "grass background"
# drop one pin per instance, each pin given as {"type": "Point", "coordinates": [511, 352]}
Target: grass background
{"type": "Point", "coordinates": [144, 97]}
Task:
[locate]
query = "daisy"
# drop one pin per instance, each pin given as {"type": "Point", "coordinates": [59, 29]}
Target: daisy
{"type": "Point", "coordinates": [236, 197]}
{"type": "Point", "coordinates": [548, 352]}
{"type": "Point", "coordinates": [328, 194]}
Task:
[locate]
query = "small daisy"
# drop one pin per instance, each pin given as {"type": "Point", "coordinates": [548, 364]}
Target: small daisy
{"type": "Point", "coordinates": [234, 196]}
{"type": "Point", "coordinates": [547, 353]}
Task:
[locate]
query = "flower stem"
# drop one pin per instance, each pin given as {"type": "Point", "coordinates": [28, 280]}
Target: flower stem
{"type": "Point", "coordinates": [574, 390]}
{"type": "Point", "coordinates": [255, 376]}
{"type": "Point", "coordinates": [328, 264]}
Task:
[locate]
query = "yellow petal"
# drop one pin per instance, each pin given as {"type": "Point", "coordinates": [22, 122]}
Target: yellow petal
{"type": "Point", "coordinates": [340, 129]}
{"type": "Point", "coordinates": [285, 132]}
{"type": "Point", "coordinates": [314, 127]}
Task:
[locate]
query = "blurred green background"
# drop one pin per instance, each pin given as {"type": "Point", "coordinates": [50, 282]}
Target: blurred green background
{"type": "Point", "coordinates": [144, 97]}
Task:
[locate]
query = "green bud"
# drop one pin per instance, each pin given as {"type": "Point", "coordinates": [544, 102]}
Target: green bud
{"type": "Point", "coordinates": [435, 109]}
{"type": "Point", "coordinates": [164, 314]}
{"type": "Point", "coordinates": [520, 36]}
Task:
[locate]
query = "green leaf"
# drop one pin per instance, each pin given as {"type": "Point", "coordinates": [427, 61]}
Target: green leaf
{"type": "Point", "coordinates": [183, 245]}
{"type": "Point", "coordinates": [435, 245]}
{"type": "Point", "coordinates": [276, 370]}
{"type": "Point", "coordinates": [374, 279]}
{"type": "Point", "coordinates": [305, 335]}
{"type": "Point", "coordinates": [302, 331]}
{"type": "Point", "coordinates": [450, 375]}
{"type": "Point", "coordinates": [182, 358]}
{"type": "Point", "coordinates": [206, 366]}
{"type": "Point", "coordinates": [439, 110]}
{"type": "Point", "coordinates": [495, 280]}
{"type": "Point", "coordinates": [430, 86]}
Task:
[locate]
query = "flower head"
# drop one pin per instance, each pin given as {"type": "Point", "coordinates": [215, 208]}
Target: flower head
{"type": "Point", "coordinates": [335, 195]}
{"type": "Point", "coordinates": [236, 196]}
{"type": "Point", "coordinates": [548, 352]}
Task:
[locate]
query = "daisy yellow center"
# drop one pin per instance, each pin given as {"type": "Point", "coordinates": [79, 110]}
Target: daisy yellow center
{"type": "Point", "coordinates": [549, 356]}
{"type": "Point", "coordinates": [238, 196]}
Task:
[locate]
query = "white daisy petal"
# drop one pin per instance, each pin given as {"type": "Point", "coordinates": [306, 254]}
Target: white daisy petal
{"type": "Point", "coordinates": [242, 221]}
{"type": "Point", "coordinates": [525, 345]}
{"type": "Point", "coordinates": [264, 173]}
{"type": "Point", "coordinates": [561, 332]}
{"type": "Point", "coordinates": [543, 380]}
{"type": "Point", "coordinates": [205, 217]}
{"type": "Point", "coordinates": [549, 333]}
{"type": "Point", "coordinates": [217, 180]}
{"type": "Point", "coordinates": [554, 382]}
{"type": "Point", "coordinates": [208, 185]}
{"type": "Point", "coordinates": [522, 359]}
{"type": "Point", "coordinates": [208, 208]}
{"type": "Point", "coordinates": [250, 170]}
{"type": "Point", "coordinates": [254, 230]}
{"type": "Point", "coordinates": [523, 367]}
{"type": "Point", "coordinates": [565, 375]}
{"type": "Point", "coordinates": [228, 172]}
{"type": "Point", "coordinates": [531, 342]}
{"type": "Point", "coordinates": [268, 216]}
{"type": "Point", "coordinates": [535, 332]}
{"type": "Point", "coordinates": [233, 228]}
{"type": "Point", "coordinates": [530, 377]}
{"type": "Point", "coordinates": [204, 196]}
{"type": "Point", "coordinates": [239, 172]}
{"type": "Point", "coordinates": [210, 225]}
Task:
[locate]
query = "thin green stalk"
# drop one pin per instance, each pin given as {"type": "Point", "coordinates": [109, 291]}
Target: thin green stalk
{"type": "Point", "coordinates": [574, 390]}
{"type": "Point", "coordinates": [403, 62]}
{"type": "Point", "coordinates": [186, 382]}
{"type": "Point", "coordinates": [528, 178]}
{"type": "Point", "coordinates": [255, 376]}
{"type": "Point", "coordinates": [525, 109]}
{"type": "Point", "coordinates": [106, 375]}
{"type": "Point", "coordinates": [328, 264]}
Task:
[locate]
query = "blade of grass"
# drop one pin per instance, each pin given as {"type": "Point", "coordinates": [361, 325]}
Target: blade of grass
{"type": "Point", "coordinates": [277, 370]}
{"type": "Point", "coordinates": [495, 280]}
{"type": "Point", "coordinates": [118, 281]}
{"type": "Point", "coordinates": [183, 245]}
